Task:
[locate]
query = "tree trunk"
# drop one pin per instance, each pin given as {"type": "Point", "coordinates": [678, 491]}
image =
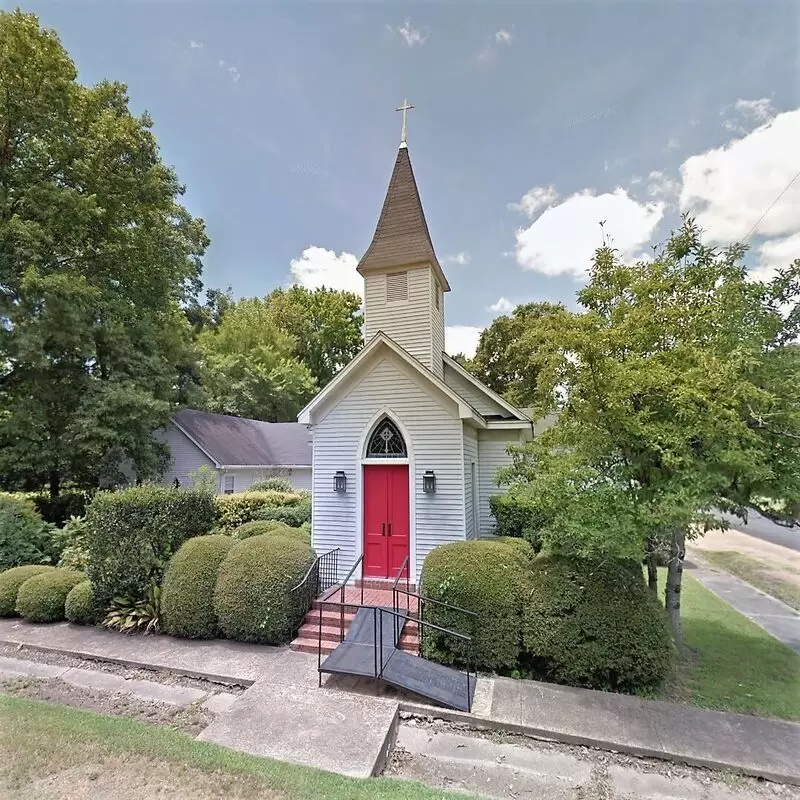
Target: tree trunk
{"type": "Point", "coordinates": [55, 483]}
{"type": "Point", "coordinates": [652, 572]}
{"type": "Point", "coordinates": [672, 592]}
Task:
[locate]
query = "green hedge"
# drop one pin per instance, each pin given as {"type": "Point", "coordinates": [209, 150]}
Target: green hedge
{"type": "Point", "coordinates": [294, 516]}
{"type": "Point", "coordinates": [273, 485]}
{"type": "Point", "coordinates": [261, 527]}
{"type": "Point", "coordinates": [25, 538]}
{"type": "Point", "coordinates": [42, 597]}
{"type": "Point", "coordinates": [187, 596]}
{"type": "Point", "coordinates": [131, 535]}
{"type": "Point", "coordinates": [485, 576]}
{"type": "Point", "coordinates": [233, 510]}
{"type": "Point", "coordinates": [11, 580]}
{"type": "Point", "coordinates": [517, 517]}
{"type": "Point", "coordinates": [595, 625]}
{"type": "Point", "coordinates": [79, 606]}
{"type": "Point", "coordinates": [252, 598]}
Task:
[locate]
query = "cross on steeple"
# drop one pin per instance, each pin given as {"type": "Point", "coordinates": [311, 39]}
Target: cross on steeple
{"type": "Point", "coordinates": [405, 108]}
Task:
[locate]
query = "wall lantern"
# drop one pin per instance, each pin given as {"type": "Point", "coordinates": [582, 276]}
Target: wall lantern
{"type": "Point", "coordinates": [339, 481]}
{"type": "Point", "coordinates": [429, 482]}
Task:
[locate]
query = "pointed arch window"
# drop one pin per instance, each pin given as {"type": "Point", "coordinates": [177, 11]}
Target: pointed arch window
{"type": "Point", "coordinates": [386, 441]}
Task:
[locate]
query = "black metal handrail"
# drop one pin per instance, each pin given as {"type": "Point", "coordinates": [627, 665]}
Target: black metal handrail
{"type": "Point", "coordinates": [341, 589]}
{"type": "Point", "coordinates": [403, 566]}
{"type": "Point", "coordinates": [321, 575]}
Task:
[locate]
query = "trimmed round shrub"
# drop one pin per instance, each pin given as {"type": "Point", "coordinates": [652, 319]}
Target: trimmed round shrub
{"type": "Point", "coordinates": [79, 606]}
{"type": "Point", "coordinates": [10, 582]}
{"type": "Point", "coordinates": [271, 528]}
{"type": "Point", "coordinates": [42, 597]}
{"type": "Point", "coordinates": [521, 547]}
{"type": "Point", "coordinates": [595, 625]}
{"type": "Point", "coordinates": [484, 576]}
{"type": "Point", "coordinates": [187, 596]}
{"type": "Point", "coordinates": [253, 599]}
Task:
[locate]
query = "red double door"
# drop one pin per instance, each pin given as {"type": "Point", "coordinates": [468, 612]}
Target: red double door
{"type": "Point", "coordinates": [386, 519]}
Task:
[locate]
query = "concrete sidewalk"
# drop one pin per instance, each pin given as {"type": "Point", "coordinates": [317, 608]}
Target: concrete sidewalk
{"type": "Point", "coordinates": [348, 725]}
{"type": "Point", "coordinates": [775, 617]}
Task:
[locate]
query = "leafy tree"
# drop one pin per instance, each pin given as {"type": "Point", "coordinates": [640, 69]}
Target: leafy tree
{"type": "Point", "coordinates": [678, 396]}
{"type": "Point", "coordinates": [96, 258]}
{"type": "Point", "coordinates": [501, 362]}
{"type": "Point", "coordinates": [210, 314]}
{"type": "Point", "coordinates": [249, 368]}
{"type": "Point", "coordinates": [325, 325]}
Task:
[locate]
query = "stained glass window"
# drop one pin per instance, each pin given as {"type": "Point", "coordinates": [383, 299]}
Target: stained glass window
{"type": "Point", "coordinates": [386, 442]}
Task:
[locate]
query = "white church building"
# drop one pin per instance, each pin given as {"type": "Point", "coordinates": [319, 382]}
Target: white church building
{"type": "Point", "coordinates": [406, 443]}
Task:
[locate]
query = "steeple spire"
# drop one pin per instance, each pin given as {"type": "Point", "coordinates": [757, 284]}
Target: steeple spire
{"type": "Point", "coordinates": [404, 134]}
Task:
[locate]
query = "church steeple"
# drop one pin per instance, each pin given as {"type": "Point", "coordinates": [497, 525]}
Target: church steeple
{"type": "Point", "coordinates": [404, 283]}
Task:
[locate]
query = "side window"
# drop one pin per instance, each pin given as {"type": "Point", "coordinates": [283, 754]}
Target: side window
{"type": "Point", "coordinates": [230, 484]}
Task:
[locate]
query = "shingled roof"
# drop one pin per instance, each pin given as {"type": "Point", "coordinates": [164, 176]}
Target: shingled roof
{"type": "Point", "coordinates": [401, 238]}
{"type": "Point", "coordinates": [240, 442]}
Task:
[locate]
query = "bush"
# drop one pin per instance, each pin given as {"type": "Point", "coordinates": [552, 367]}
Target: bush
{"type": "Point", "coordinates": [595, 625]}
{"type": "Point", "coordinates": [261, 527]}
{"type": "Point", "coordinates": [517, 517]}
{"type": "Point", "coordinates": [79, 606]}
{"type": "Point", "coordinates": [11, 580]}
{"type": "Point", "coordinates": [294, 516]}
{"type": "Point", "coordinates": [131, 535]}
{"type": "Point", "coordinates": [252, 598]}
{"type": "Point", "coordinates": [59, 509]}
{"type": "Point", "coordinates": [42, 597]}
{"type": "Point", "coordinates": [233, 510]}
{"type": "Point", "coordinates": [187, 596]}
{"type": "Point", "coordinates": [75, 554]}
{"type": "Point", "coordinates": [484, 576]}
{"type": "Point", "coordinates": [272, 485]}
{"type": "Point", "coordinates": [25, 538]}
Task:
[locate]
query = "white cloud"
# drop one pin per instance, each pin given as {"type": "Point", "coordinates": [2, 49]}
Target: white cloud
{"type": "Point", "coordinates": [461, 339]}
{"type": "Point", "coordinates": [411, 36]}
{"type": "Point", "coordinates": [774, 254]}
{"type": "Point", "coordinates": [663, 187]}
{"type": "Point", "coordinates": [730, 187]}
{"type": "Point", "coordinates": [502, 306]}
{"type": "Point", "coordinates": [748, 111]}
{"type": "Point", "coordinates": [319, 267]}
{"type": "Point", "coordinates": [232, 71]}
{"type": "Point", "coordinates": [503, 36]}
{"type": "Point", "coordinates": [564, 238]}
{"type": "Point", "coordinates": [195, 45]}
{"type": "Point", "coordinates": [535, 200]}
{"type": "Point", "coordinates": [456, 258]}
{"type": "Point", "coordinates": [673, 144]}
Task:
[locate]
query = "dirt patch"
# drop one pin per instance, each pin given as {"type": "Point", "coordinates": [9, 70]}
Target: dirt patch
{"type": "Point", "coordinates": [157, 675]}
{"type": "Point", "coordinates": [133, 778]}
{"type": "Point", "coordinates": [738, 542]}
{"type": "Point", "coordinates": [189, 719]}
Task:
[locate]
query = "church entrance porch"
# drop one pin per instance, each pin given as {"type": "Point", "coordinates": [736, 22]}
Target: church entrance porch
{"type": "Point", "coordinates": [386, 520]}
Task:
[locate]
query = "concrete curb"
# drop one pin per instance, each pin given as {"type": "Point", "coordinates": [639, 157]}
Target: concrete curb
{"type": "Point", "coordinates": [225, 680]}
{"type": "Point", "coordinates": [387, 747]}
{"type": "Point", "coordinates": [481, 723]}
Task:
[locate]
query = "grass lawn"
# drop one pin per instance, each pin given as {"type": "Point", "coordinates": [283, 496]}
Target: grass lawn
{"type": "Point", "coordinates": [734, 665]}
{"type": "Point", "coordinates": [50, 751]}
{"type": "Point", "coordinates": [760, 574]}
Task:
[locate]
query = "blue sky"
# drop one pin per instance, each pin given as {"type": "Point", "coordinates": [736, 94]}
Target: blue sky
{"type": "Point", "coordinates": [533, 122]}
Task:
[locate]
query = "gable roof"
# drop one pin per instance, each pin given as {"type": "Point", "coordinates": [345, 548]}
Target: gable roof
{"type": "Point", "coordinates": [381, 340]}
{"type": "Point", "coordinates": [516, 413]}
{"type": "Point", "coordinates": [239, 442]}
{"type": "Point", "coordinates": [401, 237]}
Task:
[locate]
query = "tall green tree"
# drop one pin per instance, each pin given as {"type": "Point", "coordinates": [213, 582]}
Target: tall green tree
{"type": "Point", "coordinates": [677, 393]}
{"type": "Point", "coordinates": [325, 325]}
{"type": "Point", "coordinates": [96, 258]}
{"type": "Point", "coordinates": [249, 366]}
{"type": "Point", "coordinates": [502, 362]}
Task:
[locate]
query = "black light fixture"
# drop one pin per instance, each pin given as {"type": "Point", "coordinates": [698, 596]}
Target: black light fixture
{"type": "Point", "coordinates": [429, 482]}
{"type": "Point", "coordinates": [339, 481]}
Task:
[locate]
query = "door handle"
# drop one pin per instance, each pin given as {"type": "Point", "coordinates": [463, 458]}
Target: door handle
{"type": "Point", "coordinates": [383, 529]}
{"type": "Point", "coordinates": [390, 529]}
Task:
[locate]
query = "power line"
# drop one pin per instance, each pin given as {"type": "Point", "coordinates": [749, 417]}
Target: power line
{"type": "Point", "coordinates": [771, 206]}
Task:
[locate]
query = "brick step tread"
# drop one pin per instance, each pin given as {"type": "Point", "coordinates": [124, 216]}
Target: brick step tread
{"type": "Point", "coordinates": [332, 633]}
{"type": "Point", "coordinates": [306, 644]}
{"type": "Point", "coordinates": [330, 616]}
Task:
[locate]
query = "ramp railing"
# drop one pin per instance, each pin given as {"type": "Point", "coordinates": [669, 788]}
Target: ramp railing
{"type": "Point", "coordinates": [321, 575]}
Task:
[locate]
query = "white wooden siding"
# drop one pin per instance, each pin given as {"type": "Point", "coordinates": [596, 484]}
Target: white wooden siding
{"type": "Point", "coordinates": [470, 458]}
{"type": "Point", "coordinates": [480, 401]}
{"type": "Point", "coordinates": [437, 327]}
{"type": "Point", "coordinates": [186, 457]}
{"type": "Point", "coordinates": [435, 434]}
{"type": "Point", "coordinates": [245, 478]}
{"type": "Point", "coordinates": [492, 455]}
{"type": "Point", "coordinates": [407, 322]}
